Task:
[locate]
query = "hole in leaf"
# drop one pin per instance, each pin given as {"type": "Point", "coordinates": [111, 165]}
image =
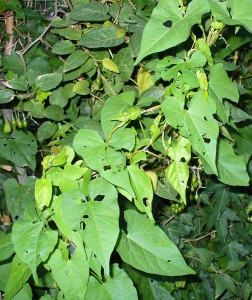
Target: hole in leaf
{"type": "Point", "coordinates": [85, 217]}
{"type": "Point", "coordinates": [145, 202]}
{"type": "Point", "coordinates": [26, 252]}
{"type": "Point", "coordinates": [99, 197]}
{"type": "Point", "coordinates": [182, 159]}
{"type": "Point", "coordinates": [167, 24]}
{"type": "Point", "coordinates": [206, 140]}
{"type": "Point", "coordinates": [205, 119]}
{"type": "Point", "coordinates": [107, 168]}
{"type": "Point", "coordinates": [168, 261]}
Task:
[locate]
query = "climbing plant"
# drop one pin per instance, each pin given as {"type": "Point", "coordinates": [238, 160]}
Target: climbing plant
{"type": "Point", "coordinates": [130, 123]}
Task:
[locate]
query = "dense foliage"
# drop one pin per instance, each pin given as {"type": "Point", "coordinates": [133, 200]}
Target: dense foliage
{"type": "Point", "coordinates": [125, 151]}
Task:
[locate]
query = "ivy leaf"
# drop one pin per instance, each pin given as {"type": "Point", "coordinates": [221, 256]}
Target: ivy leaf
{"type": "Point", "coordinates": [197, 124]}
{"type": "Point", "coordinates": [19, 274]}
{"type": "Point", "coordinates": [6, 96]}
{"type": "Point", "coordinates": [168, 26]}
{"type": "Point", "coordinates": [25, 238]}
{"type": "Point", "coordinates": [142, 187]}
{"type": "Point", "coordinates": [94, 11]}
{"type": "Point", "coordinates": [221, 87]}
{"type": "Point", "coordinates": [6, 246]}
{"type": "Point", "coordinates": [48, 82]}
{"type": "Point", "coordinates": [75, 60]}
{"type": "Point", "coordinates": [147, 248]}
{"type": "Point", "coordinates": [104, 37]}
{"type": "Point", "coordinates": [20, 149]}
{"type": "Point", "coordinates": [43, 192]}
{"type": "Point", "coordinates": [233, 250]}
{"type": "Point", "coordinates": [233, 13]}
{"type": "Point", "coordinates": [231, 167]}
{"type": "Point", "coordinates": [71, 274]}
{"type": "Point", "coordinates": [102, 221]}
{"type": "Point", "coordinates": [118, 286]}
{"type": "Point", "coordinates": [113, 106]}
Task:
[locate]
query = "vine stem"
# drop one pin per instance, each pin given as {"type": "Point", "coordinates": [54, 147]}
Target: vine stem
{"type": "Point", "coordinates": [200, 238]}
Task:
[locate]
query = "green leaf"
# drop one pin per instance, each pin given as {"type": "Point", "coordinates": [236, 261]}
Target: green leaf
{"type": "Point", "coordinates": [124, 63]}
{"type": "Point", "coordinates": [81, 87]}
{"type": "Point", "coordinates": [13, 63]}
{"type": "Point", "coordinates": [102, 221]}
{"type": "Point", "coordinates": [123, 139]}
{"type": "Point", "coordinates": [168, 26]}
{"type": "Point", "coordinates": [94, 11]}
{"type": "Point", "coordinates": [43, 192]}
{"type": "Point", "coordinates": [19, 84]}
{"type": "Point", "coordinates": [110, 65]}
{"type": "Point", "coordinates": [104, 37]}
{"type": "Point", "coordinates": [106, 160]}
{"type": "Point", "coordinates": [71, 274]}
{"type": "Point", "coordinates": [20, 149]}
{"type": "Point", "coordinates": [118, 286]}
{"type": "Point", "coordinates": [6, 96]}
{"type": "Point", "coordinates": [221, 87]}
{"type": "Point", "coordinates": [231, 167]}
{"type": "Point", "coordinates": [25, 238]}
{"type": "Point", "coordinates": [63, 47]}
{"type": "Point", "coordinates": [113, 106]}
{"type": "Point", "coordinates": [48, 82]}
{"type": "Point", "coordinates": [24, 294]}
{"type": "Point", "coordinates": [233, 13]}
{"type": "Point", "coordinates": [75, 60]}
{"type": "Point", "coordinates": [177, 173]}
{"type": "Point", "coordinates": [147, 286]}
{"type": "Point", "coordinates": [46, 130]}
{"type": "Point", "coordinates": [6, 246]}
{"type": "Point", "coordinates": [197, 124]}
{"type": "Point", "coordinates": [68, 33]}
{"type": "Point", "coordinates": [20, 273]}
{"type": "Point", "coordinates": [143, 190]}
{"type": "Point", "coordinates": [147, 248]}
{"type": "Point", "coordinates": [59, 97]}
{"type": "Point", "coordinates": [18, 197]}
{"type": "Point", "coordinates": [54, 112]}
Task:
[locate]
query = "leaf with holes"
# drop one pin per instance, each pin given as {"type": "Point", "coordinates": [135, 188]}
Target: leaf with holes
{"type": "Point", "coordinates": [71, 274]}
{"type": "Point", "coordinates": [20, 149]}
{"type": "Point", "coordinates": [118, 286]}
{"type": "Point", "coordinates": [169, 26]}
{"type": "Point", "coordinates": [143, 190]}
{"type": "Point", "coordinates": [25, 238]}
{"type": "Point", "coordinates": [146, 247]}
{"type": "Point", "coordinates": [221, 87]}
{"type": "Point", "coordinates": [102, 221]}
{"type": "Point", "coordinates": [20, 273]}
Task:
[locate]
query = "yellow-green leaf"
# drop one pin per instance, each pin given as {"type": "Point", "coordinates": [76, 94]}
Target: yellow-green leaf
{"type": "Point", "coordinates": [43, 192]}
{"type": "Point", "coordinates": [144, 80]}
{"type": "Point", "coordinates": [110, 65]}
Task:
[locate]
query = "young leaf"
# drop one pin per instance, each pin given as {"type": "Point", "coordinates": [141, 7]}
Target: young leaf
{"type": "Point", "coordinates": [43, 192]}
{"type": "Point", "coordinates": [147, 248]}
{"type": "Point", "coordinates": [110, 65]}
